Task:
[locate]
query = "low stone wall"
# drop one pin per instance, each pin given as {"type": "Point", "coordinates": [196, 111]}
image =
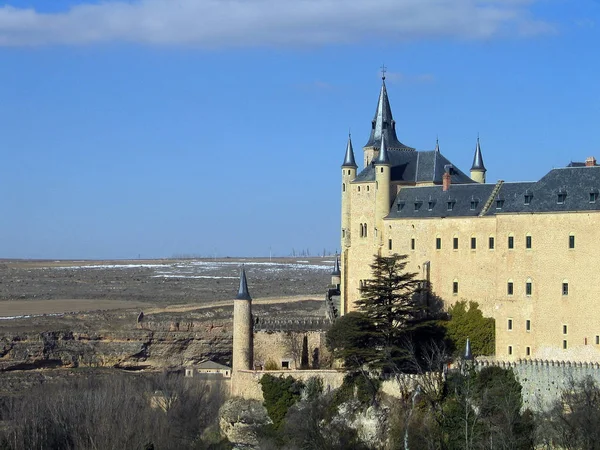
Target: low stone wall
{"type": "Point", "coordinates": [543, 381]}
{"type": "Point", "coordinates": [245, 383]}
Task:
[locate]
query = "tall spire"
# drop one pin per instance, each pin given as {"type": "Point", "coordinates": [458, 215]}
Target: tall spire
{"type": "Point", "coordinates": [437, 144]}
{"type": "Point", "coordinates": [336, 267]}
{"type": "Point", "coordinates": [383, 123]}
{"type": "Point", "coordinates": [243, 293]}
{"type": "Point", "coordinates": [349, 158]}
{"type": "Point", "coordinates": [383, 157]}
{"type": "Point", "coordinates": [478, 158]}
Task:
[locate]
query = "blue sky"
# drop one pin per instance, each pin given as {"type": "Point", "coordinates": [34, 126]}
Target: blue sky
{"type": "Point", "coordinates": [142, 127]}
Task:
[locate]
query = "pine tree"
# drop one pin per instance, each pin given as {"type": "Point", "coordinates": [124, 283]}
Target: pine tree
{"type": "Point", "coordinates": [389, 301]}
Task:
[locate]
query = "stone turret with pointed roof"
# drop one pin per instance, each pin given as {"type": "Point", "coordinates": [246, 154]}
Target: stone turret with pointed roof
{"type": "Point", "coordinates": [383, 158]}
{"type": "Point", "coordinates": [478, 169]}
{"type": "Point", "coordinates": [243, 337]}
{"type": "Point", "coordinates": [243, 293]}
{"type": "Point", "coordinates": [349, 160]}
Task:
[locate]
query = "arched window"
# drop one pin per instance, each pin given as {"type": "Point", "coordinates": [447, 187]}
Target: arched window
{"type": "Point", "coordinates": [343, 187]}
{"type": "Point", "coordinates": [366, 233]}
{"type": "Point", "coordinates": [528, 287]}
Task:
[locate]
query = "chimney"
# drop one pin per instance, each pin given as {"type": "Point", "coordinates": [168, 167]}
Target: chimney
{"type": "Point", "coordinates": [446, 178]}
{"type": "Point", "coordinates": [590, 161]}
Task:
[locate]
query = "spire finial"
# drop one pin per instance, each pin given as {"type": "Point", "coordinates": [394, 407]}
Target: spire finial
{"type": "Point", "coordinates": [243, 293]}
{"type": "Point", "coordinates": [383, 71]}
{"type": "Point", "coordinates": [437, 143]}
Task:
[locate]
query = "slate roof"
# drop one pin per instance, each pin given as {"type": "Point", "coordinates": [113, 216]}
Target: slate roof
{"type": "Point", "coordinates": [211, 365]}
{"type": "Point", "coordinates": [576, 183]}
{"type": "Point", "coordinates": [478, 159]}
{"type": "Point", "coordinates": [383, 123]}
{"type": "Point", "coordinates": [349, 160]}
{"type": "Point", "coordinates": [415, 167]}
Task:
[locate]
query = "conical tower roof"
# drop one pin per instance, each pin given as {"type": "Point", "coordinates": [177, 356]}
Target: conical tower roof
{"type": "Point", "coordinates": [383, 123]}
{"type": "Point", "coordinates": [383, 157]}
{"type": "Point", "coordinates": [468, 354]}
{"type": "Point", "coordinates": [336, 267]}
{"type": "Point", "coordinates": [349, 160]}
{"type": "Point", "coordinates": [478, 158]}
{"type": "Point", "coordinates": [243, 293]}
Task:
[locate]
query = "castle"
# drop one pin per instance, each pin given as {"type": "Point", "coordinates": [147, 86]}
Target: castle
{"type": "Point", "coordinates": [525, 251]}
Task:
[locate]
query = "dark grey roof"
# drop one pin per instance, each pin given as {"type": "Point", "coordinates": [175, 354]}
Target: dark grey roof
{"type": "Point", "coordinates": [349, 160]}
{"type": "Point", "coordinates": [243, 293]}
{"type": "Point", "coordinates": [384, 124]}
{"type": "Point", "coordinates": [383, 157]}
{"type": "Point", "coordinates": [211, 365]}
{"type": "Point", "coordinates": [415, 167]}
{"type": "Point", "coordinates": [478, 159]}
{"type": "Point", "coordinates": [574, 183]}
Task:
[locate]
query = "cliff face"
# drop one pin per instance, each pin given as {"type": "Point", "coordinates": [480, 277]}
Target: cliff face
{"type": "Point", "coordinates": [155, 345]}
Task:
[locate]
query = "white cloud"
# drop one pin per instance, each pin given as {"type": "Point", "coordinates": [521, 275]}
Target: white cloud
{"type": "Point", "coordinates": [235, 23]}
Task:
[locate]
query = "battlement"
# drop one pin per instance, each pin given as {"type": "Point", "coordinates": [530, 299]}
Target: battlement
{"type": "Point", "coordinates": [537, 363]}
{"type": "Point", "coordinates": [305, 324]}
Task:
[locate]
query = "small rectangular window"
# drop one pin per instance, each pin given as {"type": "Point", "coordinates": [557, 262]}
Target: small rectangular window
{"type": "Point", "coordinates": [455, 243]}
{"type": "Point", "coordinates": [430, 206]}
{"type": "Point", "coordinates": [438, 243]}
{"type": "Point", "coordinates": [510, 349]}
{"type": "Point", "coordinates": [528, 288]}
{"type": "Point", "coordinates": [561, 198]}
{"type": "Point", "coordinates": [412, 244]}
{"type": "Point", "coordinates": [450, 206]}
{"type": "Point", "coordinates": [285, 364]}
{"type": "Point", "coordinates": [597, 340]}
{"type": "Point", "coordinates": [473, 205]}
{"type": "Point", "coordinates": [565, 344]}
{"type": "Point", "coordinates": [455, 287]}
{"type": "Point", "coordinates": [565, 289]}
{"type": "Point", "coordinates": [593, 197]}
{"type": "Point", "coordinates": [528, 351]}
{"type": "Point", "coordinates": [528, 325]}
{"type": "Point", "coordinates": [499, 204]}
{"type": "Point", "coordinates": [491, 243]}
{"type": "Point", "coordinates": [564, 329]}
{"type": "Point", "coordinates": [473, 243]}
{"type": "Point", "coordinates": [527, 241]}
{"type": "Point", "coordinates": [511, 242]}
{"type": "Point", "coordinates": [509, 288]}
{"type": "Point", "coordinates": [509, 324]}
{"type": "Point", "coordinates": [389, 244]}
{"type": "Point", "coordinates": [572, 241]}
{"type": "Point", "coordinates": [418, 205]}
{"type": "Point", "coordinates": [528, 199]}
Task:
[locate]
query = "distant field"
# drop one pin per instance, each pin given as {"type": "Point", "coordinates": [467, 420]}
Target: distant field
{"type": "Point", "coordinates": [49, 287]}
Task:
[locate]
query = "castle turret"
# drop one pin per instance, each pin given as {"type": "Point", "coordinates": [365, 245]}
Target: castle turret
{"type": "Point", "coordinates": [382, 184]}
{"type": "Point", "coordinates": [336, 274]}
{"type": "Point", "coordinates": [348, 174]}
{"type": "Point", "coordinates": [383, 124]}
{"type": "Point", "coordinates": [243, 337]}
{"type": "Point", "coordinates": [478, 169]}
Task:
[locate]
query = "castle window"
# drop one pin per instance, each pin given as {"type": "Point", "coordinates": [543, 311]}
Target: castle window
{"type": "Point", "coordinates": [560, 199]}
{"type": "Point", "coordinates": [528, 198]}
{"type": "Point", "coordinates": [527, 241]}
{"type": "Point", "coordinates": [389, 244]}
{"type": "Point", "coordinates": [455, 243]}
{"type": "Point", "coordinates": [362, 230]}
{"type": "Point", "coordinates": [285, 364]}
{"type": "Point", "coordinates": [528, 325]}
{"type": "Point", "coordinates": [365, 227]}
{"type": "Point", "coordinates": [528, 288]}
{"type": "Point", "coordinates": [455, 287]}
{"type": "Point", "coordinates": [565, 288]}
{"type": "Point", "coordinates": [412, 243]}
{"type": "Point", "coordinates": [381, 170]}
{"type": "Point", "coordinates": [528, 351]}
{"type": "Point", "coordinates": [564, 344]}
{"type": "Point", "coordinates": [418, 205]}
{"type": "Point", "coordinates": [509, 288]}
{"type": "Point", "coordinates": [400, 206]}
{"type": "Point", "coordinates": [368, 188]}
{"type": "Point", "coordinates": [571, 241]}
{"type": "Point", "coordinates": [438, 243]}
{"type": "Point", "coordinates": [430, 205]}
{"type": "Point", "coordinates": [491, 243]}
{"type": "Point", "coordinates": [565, 329]}
{"type": "Point", "coordinates": [510, 349]}
{"type": "Point", "coordinates": [473, 243]}
{"type": "Point", "coordinates": [593, 197]}
{"type": "Point", "coordinates": [499, 204]}
{"type": "Point", "coordinates": [450, 205]}
{"type": "Point", "coordinates": [343, 187]}
{"type": "Point", "coordinates": [473, 205]}
{"type": "Point", "coordinates": [343, 233]}
{"type": "Point", "coordinates": [509, 324]}
{"type": "Point", "coordinates": [511, 242]}
{"type": "Point", "coordinates": [597, 340]}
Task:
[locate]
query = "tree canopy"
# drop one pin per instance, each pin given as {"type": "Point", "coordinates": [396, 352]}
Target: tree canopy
{"type": "Point", "coordinates": [467, 321]}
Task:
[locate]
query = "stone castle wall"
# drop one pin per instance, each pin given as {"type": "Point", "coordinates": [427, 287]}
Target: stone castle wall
{"type": "Point", "coordinates": [281, 346]}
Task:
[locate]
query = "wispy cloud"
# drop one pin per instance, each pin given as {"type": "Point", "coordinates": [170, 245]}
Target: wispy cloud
{"type": "Point", "coordinates": [236, 23]}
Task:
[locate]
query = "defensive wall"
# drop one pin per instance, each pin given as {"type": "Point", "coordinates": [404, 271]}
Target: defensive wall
{"type": "Point", "coordinates": [543, 381]}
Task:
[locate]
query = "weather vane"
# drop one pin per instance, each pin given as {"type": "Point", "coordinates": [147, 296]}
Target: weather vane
{"type": "Point", "coordinates": [383, 71]}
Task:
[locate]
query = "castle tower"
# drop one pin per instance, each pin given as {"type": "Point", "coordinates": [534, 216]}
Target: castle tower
{"type": "Point", "coordinates": [336, 274]}
{"type": "Point", "coordinates": [243, 358]}
{"type": "Point", "coordinates": [382, 186]}
{"type": "Point", "coordinates": [478, 169]}
{"type": "Point", "coordinates": [348, 174]}
{"type": "Point", "coordinates": [383, 124]}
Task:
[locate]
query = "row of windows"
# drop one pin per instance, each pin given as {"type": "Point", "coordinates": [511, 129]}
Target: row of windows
{"type": "Point", "coordinates": [509, 325]}
{"type": "Point", "coordinates": [510, 288]}
{"type": "Point", "coordinates": [560, 199]}
{"type": "Point", "coordinates": [491, 242]}
{"type": "Point", "coordinates": [527, 350]}
{"type": "Point", "coordinates": [565, 344]}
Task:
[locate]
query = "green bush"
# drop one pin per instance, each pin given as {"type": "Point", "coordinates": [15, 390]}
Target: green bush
{"type": "Point", "coordinates": [467, 321]}
{"type": "Point", "coordinates": [279, 394]}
